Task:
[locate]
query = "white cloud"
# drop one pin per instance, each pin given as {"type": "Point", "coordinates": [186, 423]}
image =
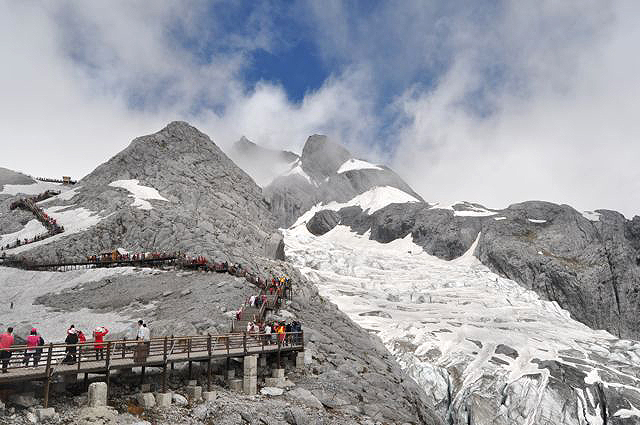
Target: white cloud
{"type": "Point", "coordinates": [495, 103]}
{"type": "Point", "coordinates": [562, 128]}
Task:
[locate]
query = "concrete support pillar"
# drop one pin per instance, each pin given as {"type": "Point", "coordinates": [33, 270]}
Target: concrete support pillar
{"type": "Point", "coordinates": [250, 376]}
{"type": "Point", "coordinates": [276, 380]}
{"type": "Point", "coordinates": [209, 395]}
{"type": "Point", "coordinates": [146, 400]}
{"type": "Point", "coordinates": [163, 399]}
{"type": "Point", "coordinates": [97, 394]}
{"type": "Point", "coordinates": [194, 393]}
{"type": "Point", "coordinates": [300, 360]}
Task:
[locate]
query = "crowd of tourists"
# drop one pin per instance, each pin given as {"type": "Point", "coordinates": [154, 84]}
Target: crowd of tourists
{"type": "Point", "coordinates": [77, 346]}
{"type": "Point", "coordinates": [274, 332]}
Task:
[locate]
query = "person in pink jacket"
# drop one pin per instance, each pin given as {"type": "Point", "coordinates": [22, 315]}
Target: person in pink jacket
{"type": "Point", "coordinates": [6, 341]}
{"type": "Point", "coordinates": [98, 337]}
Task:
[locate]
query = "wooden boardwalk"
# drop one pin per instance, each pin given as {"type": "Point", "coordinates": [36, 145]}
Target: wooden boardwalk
{"type": "Point", "coordinates": [62, 359]}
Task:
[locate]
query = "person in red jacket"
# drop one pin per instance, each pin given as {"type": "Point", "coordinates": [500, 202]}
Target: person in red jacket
{"type": "Point", "coordinates": [6, 341]}
{"type": "Point", "coordinates": [33, 341]}
{"type": "Point", "coordinates": [98, 337]}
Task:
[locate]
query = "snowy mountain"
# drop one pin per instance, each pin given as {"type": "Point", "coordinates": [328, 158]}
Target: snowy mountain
{"type": "Point", "coordinates": [499, 317]}
{"type": "Point", "coordinates": [326, 172]}
{"type": "Point", "coordinates": [175, 190]}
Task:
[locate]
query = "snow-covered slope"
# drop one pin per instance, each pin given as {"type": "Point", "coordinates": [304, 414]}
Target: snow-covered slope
{"type": "Point", "coordinates": [485, 349]}
{"type": "Point", "coordinates": [22, 287]}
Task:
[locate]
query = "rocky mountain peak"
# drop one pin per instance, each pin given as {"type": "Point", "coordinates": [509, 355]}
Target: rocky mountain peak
{"type": "Point", "coordinates": [322, 157]}
{"type": "Point", "coordinates": [173, 190]}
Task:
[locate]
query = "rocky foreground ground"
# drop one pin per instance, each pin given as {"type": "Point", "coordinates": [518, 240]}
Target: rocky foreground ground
{"type": "Point", "coordinates": [292, 405]}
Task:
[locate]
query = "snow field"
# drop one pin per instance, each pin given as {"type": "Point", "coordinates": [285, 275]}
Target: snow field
{"type": "Point", "coordinates": [31, 229]}
{"type": "Point", "coordinates": [23, 287]}
{"type": "Point", "coordinates": [433, 314]}
{"type": "Point", "coordinates": [32, 189]}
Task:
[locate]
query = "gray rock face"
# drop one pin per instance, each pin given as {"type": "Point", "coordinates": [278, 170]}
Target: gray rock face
{"type": "Point", "coordinates": [213, 208]}
{"type": "Point", "coordinates": [290, 195]}
{"type": "Point", "coordinates": [591, 268]}
{"type": "Point", "coordinates": [262, 164]}
{"type": "Point", "coordinates": [13, 177]}
{"type": "Point", "coordinates": [323, 221]}
{"type": "Point", "coordinates": [321, 157]}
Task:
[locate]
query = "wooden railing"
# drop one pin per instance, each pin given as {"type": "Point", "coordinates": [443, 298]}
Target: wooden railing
{"type": "Point", "coordinates": [55, 359]}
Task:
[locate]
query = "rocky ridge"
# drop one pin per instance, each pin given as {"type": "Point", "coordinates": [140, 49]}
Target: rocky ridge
{"type": "Point", "coordinates": [174, 190]}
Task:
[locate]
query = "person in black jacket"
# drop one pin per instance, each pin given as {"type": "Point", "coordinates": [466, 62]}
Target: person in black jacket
{"type": "Point", "coordinates": [71, 341]}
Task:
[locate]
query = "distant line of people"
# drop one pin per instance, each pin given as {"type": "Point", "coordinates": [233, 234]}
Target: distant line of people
{"type": "Point", "coordinates": [53, 228]}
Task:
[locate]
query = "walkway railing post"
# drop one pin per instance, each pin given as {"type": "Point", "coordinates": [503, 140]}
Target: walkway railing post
{"type": "Point", "coordinates": [124, 347]}
{"type": "Point", "coordinates": [279, 344]}
{"type": "Point", "coordinates": [107, 365]}
{"type": "Point", "coordinates": [189, 355]}
{"type": "Point", "coordinates": [209, 362]}
{"type": "Point", "coordinates": [79, 354]}
{"type": "Point", "coordinates": [47, 373]}
{"type": "Point", "coordinates": [164, 366]}
{"type": "Point", "coordinates": [244, 342]}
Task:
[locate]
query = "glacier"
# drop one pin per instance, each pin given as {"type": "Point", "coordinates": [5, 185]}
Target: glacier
{"type": "Point", "coordinates": [484, 349]}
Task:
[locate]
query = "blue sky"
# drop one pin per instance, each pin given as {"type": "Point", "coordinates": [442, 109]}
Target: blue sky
{"type": "Point", "coordinates": [495, 102]}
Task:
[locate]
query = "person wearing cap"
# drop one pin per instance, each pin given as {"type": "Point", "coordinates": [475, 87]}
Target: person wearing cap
{"type": "Point", "coordinates": [6, 341]}
{"type": "Point", "coordinates": [98, 337]}
{"type": "Point", "coordinates": [33, 341]}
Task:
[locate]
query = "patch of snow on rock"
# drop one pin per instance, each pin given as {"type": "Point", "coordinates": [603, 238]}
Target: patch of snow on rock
{"type": "Point", "coordinates": [533, 220]}
{"type": "Point", "coordinates": [591, 215]}
{"type": "Point", "coordinates": [141, 194]}
{"type": "Point", "coordinates": [357, 164]}
{"type": "Point", "coordinates": [500, 218]}
{"type": "Point", "coordinates": [370, 201]}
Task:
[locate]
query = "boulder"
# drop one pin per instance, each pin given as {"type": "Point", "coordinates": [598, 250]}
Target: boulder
{"type": "Point", "coordinates": [179, 400]}
{"type": "Point", "coordinates": [23, 400]}
{"type": "Point", "coordinates": [272, 391]}
{"type": "Point", "coordinates": [296, 416]}
{"type": "Point", "coordinates": [305, 396]}
{"type": "Point", "coordinates": [322, 222]}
